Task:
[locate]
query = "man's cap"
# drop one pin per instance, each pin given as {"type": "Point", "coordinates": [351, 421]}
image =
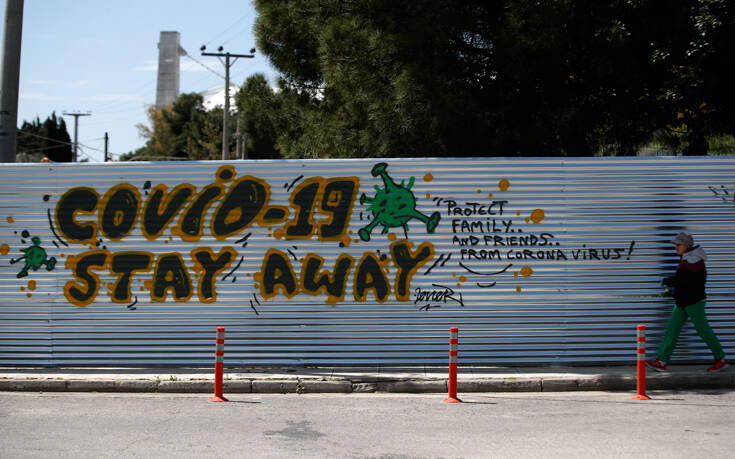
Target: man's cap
{"type": "Point", "coordinates": [684, 238]}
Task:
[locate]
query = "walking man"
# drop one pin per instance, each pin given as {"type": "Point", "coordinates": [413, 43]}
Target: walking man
{"type": "Point", "coordinates": [690, 298]}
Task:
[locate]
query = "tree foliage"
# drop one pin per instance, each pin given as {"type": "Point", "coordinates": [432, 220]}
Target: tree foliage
{"type": "Point", "coordinates": [260, 110]}
{"type": "Point", "coordinates": [49, 139]}
{"type": "Point", "coordinates": [479, 78]}
{"type": "Point", "coordinates": [184, 130]}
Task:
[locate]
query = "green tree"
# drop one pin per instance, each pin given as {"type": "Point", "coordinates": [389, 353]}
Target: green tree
{"type": "Point", "coordinates": [49, 139]}
{"type": "Point", "coordinates": [185, 130]}
{"type": "Point", "coordinates": [476, 78]}
{"type": "Point", "coordinates": [260, 110]}
{"type": "Point", "coordinates": [701, 93]}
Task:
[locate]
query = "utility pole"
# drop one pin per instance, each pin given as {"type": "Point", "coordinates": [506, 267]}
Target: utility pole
{"type": "Point", "coordinates": [226, 114]}
{"type": "Point", "coordinates": [242, 140]}
{"type": "Point", "coordinates": [107, 141]}
{"type": "Point", "coordinates": [238, 139]}
{"type": "Point", "coordinates": [13, 31]}
{"type": "Point", "coordinates": [76, 116]}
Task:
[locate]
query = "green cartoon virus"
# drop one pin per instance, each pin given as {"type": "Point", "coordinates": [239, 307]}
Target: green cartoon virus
{"type": "Point", "coordinates": [393, 206]}
{"type": "Point", "coordinates": [35, 257]}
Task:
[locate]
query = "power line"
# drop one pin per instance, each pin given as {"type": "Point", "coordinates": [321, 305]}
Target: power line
{"type": "Point", "coordinates": [122, 109]}
{"type": "Point", "coordinates": [115, 120]}
{"type": "Point", "coordinates": [44, 138]}
{"type": "Point", "coordinates": [200, 82]}
{"type": "Point", "coordinates": [66, 143]}
{"type": "Point", "coordinates": [204, 65]}
{"type": "Point", "coordinates": [93, 148]}
{"type": "Point", "coordinates": [89, 157]}
{"type": "Point", "coordinates": [106, 104]}
{"type": "Point", "coordinates": [121, 106]}
{"type": "Point", "coordinates": [109, 153]}
{"type": "Point", "coordinates": [239, 32]}
{"type": "Point", "coordinates": [230, 27]}
{"type": "Point", "coordinates": [41, 150]}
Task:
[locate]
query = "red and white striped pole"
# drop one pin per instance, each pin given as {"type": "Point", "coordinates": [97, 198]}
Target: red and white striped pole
{"type": "Point", "coordinates": [219, 364]}
{"type": "Point", "coordinates": [453, 357]}
{"type": "Point", "coordinates": [641, 384]}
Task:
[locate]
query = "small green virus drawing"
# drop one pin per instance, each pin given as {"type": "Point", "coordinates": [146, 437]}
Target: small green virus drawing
{"type": "Point", "coordinates": [393, 206]}
{"type": "Point", "coordinates": [35, 257]}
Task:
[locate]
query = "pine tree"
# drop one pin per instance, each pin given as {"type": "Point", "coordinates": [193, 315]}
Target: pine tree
{"type": "Point", "coordinates": [49, 139]}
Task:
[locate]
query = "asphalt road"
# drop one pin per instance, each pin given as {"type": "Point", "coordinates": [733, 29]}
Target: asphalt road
{"type": "Point", "coordinates": [565, 424]}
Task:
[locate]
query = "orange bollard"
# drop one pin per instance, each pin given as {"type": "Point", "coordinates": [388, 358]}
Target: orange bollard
{"type": "Point", "coordinates": [219, 364]}
{"type": "Point", "coordinates": [641, 384]}
{"type": "Point", "coordinates": [453, 357]}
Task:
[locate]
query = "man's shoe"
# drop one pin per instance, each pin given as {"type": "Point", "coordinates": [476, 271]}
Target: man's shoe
{"type": "Point", "coordinates": [656, 365]}
{"type": "Point", "coordinates": [719, 365]}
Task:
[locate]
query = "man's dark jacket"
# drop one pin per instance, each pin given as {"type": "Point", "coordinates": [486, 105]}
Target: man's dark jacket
{"type": "Point", "coordinates": [690, 277]}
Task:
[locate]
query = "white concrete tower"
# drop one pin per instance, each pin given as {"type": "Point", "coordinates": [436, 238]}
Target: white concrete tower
{"type": "Point", "coordinates": [169, 51]}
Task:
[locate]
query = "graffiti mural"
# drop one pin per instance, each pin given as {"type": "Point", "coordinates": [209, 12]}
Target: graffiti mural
{"type": "Point", "coordinates": [353, 261]}
{"type": "Point", "coordinates": [483, 241]}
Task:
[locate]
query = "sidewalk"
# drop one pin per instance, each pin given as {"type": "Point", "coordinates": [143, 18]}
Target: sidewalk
{"type": "Point", "coordinates": [359, 379]}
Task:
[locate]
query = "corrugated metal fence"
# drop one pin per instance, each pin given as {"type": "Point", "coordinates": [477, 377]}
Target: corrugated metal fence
{"type": "Point", "coordinates": [537, 261]}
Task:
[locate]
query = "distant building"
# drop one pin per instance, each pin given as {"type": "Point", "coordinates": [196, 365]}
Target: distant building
{"type": "Point", "coordinates": [169, 68]}
{"type": "Point", "coordinates": [216, 97]}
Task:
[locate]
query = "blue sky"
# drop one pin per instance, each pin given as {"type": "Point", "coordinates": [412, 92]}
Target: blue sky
{"type": "Point", "coordinates": [101, 56]}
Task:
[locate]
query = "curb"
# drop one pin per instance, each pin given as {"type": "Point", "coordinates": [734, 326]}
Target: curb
{"type": "Point", "coordinates": [413, 387]}
{"type": "Point", "coordinates": [33, 385]}
{"type": "Point", "coordinates": [75, 385]}
{"type": "Point", "coordinates": [501, 385]}
{"type": "Point", "coordinates": [184, 387]}
{"type": "Point", "coordinates": [317, 386]}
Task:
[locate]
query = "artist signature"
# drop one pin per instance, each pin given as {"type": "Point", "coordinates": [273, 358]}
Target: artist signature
{"type": "Point", "coordinates": [435, 298]}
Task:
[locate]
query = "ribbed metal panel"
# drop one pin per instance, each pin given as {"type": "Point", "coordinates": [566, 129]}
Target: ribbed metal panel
{"type": "Point", "coordinates": [579, 307]}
